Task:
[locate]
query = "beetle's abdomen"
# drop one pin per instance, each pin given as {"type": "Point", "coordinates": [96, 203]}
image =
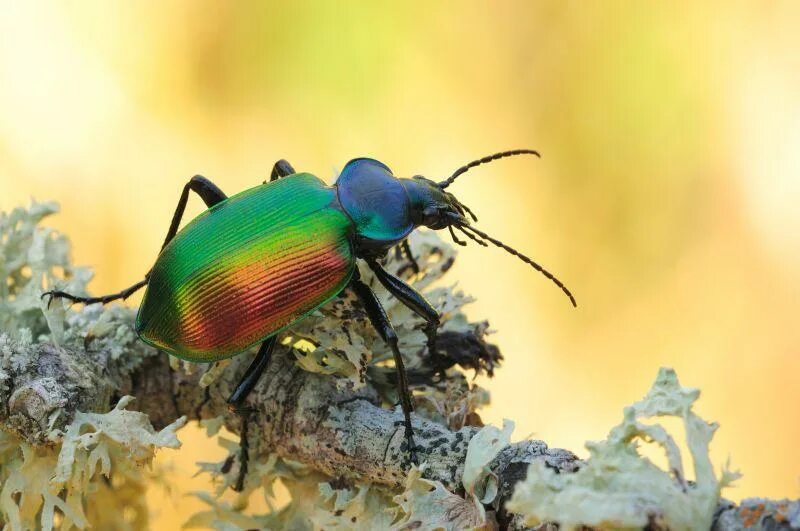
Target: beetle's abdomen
{"type": "Point", "coordinates": [246, 269]}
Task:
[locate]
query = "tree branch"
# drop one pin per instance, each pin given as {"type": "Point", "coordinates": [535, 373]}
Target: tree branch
{"type": "Point", "coordinates": [324, 408]}
{"type": "Point", "coordinates": [301, 416]}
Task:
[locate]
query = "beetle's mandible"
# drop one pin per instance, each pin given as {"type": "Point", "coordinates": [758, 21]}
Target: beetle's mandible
{"type": "Point", "coordinates": [255, 263]}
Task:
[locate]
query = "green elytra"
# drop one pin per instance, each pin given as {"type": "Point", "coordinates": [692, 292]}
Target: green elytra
{"type": "Point", "coordinates": [267, 256]}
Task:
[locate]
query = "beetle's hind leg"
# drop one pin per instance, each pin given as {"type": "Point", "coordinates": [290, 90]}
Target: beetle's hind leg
{"type": "Point", "coordinates": [238, 397]}
{"type": "Point", "coordinates": [377, 315]}
{"type": "Point", "coordinates": [105, 299]}
{"type": "Point", "coordinates": [208, 192]}
{"type": "Point", "coordinates": [252, 374]}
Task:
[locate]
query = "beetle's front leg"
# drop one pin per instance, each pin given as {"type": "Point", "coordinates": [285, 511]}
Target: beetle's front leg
{"type": "Point", "coordinates": [377, 315]}
{"type": "Point", "coordinates": [403, 248]}
{"type": "Point", "coordinates": [411, 298]}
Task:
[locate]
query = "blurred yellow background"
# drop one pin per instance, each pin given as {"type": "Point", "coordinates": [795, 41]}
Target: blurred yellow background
{"type": "Point", "coordinates": [666, 197]}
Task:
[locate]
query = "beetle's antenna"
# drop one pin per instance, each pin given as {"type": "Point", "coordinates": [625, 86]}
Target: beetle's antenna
{"type": "Point", "coordinates": [489, 158]}
{"type": "Point", "coordinates": [522, 257]}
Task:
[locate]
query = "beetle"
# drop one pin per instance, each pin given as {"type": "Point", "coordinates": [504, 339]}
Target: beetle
{"type": "Point", "coordinates": [255, 263]}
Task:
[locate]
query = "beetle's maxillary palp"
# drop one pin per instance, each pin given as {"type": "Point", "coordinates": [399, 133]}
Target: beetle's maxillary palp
{"type": "Point", "coordinates": [455, 238]}
{"type": "Point", "coordinates": [469, 211]}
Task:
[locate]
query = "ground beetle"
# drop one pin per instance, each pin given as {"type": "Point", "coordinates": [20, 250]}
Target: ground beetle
{"type": "Point", "coordinates": [254, 264]}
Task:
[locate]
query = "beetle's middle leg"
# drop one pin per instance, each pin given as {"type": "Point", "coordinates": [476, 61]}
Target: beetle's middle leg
{"type": "Point", "coordinates": [377, 315]}
{"type": "Point", "coordinates": [208, 192]}
{"type": "Point", "coordinates": [236, 403]}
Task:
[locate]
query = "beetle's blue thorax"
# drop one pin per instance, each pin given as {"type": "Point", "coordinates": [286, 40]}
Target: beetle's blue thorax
{"type": "Point", "coordinates": [375, 200]}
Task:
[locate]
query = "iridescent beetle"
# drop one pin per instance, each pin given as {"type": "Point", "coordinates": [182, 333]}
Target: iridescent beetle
{"type": "Point", "coordinates": [254, 264]}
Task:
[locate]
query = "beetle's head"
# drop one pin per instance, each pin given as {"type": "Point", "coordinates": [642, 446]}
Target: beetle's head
{"type": "Point", "coordinates": [432, 206]}
{"type": "Point", "coordinates": [436, 208]}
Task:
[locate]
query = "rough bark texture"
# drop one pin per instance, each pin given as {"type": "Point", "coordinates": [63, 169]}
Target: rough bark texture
{"type": "Point", "coordinates": [296, 414]}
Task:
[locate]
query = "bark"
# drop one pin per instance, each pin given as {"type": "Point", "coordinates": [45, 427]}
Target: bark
{"type": "Point", "coordinates": [305, 417]}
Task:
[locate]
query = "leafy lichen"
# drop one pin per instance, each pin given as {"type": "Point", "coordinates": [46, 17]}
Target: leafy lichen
{"type": "Point", "coordinates": [99, 453]}
{"type": "Point", "coordinates": [32, 258]}
{"type": "Point", "coordinates": [42, 486]}
{"type": "Point", "coordinates": [619, 488]}
{"type": "Point", "coordinates": [90, 456]}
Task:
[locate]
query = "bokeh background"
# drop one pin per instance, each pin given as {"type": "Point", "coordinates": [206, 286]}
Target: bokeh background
{"type": "Point", "coordinates": [666, 197]}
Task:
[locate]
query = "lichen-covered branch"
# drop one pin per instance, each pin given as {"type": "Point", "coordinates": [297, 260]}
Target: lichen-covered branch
{"type": "Point", "coordinates": [321, 422]}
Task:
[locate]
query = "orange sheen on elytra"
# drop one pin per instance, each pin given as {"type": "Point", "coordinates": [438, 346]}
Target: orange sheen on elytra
{"type": "Point", "coordinates": [267, 257]}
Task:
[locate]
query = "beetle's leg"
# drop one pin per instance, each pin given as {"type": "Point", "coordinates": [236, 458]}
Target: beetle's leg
{"type": "Point", "coordinates": [237, 398]}
{"type": "Point", "coordinates": [413, 261]}
{"type": "Point", "coordinates": [208, 192]}
{"type": "Point", "coordinates": [105, 299]}
{"type": "Point", "coordinates": [281, 169]}
{"type": "Point", "coordinates": [404, 248]}
{"type": "Point", "coordinates": [253, 373]}
{"type": "Point", "coordinates": [411, 298]}
{"type": "Point", "coordinates": [377, 315]}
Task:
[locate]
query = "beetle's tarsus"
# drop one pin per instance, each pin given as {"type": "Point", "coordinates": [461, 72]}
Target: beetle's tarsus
{"type": "Point", "coordinates": [55, 294]}
{"type": "Point", "coordinates": [409, 446]}
{"type": "Point", "coordinates": [105, 299]}
{"type": "Point", "coordinates": [49, 300]}
{"type": "Point", "coordinates": [238, 406]}
{"type": "Point", "coordinates": [244, 454]}
{"type": "Point", "coordinates": [431, 331]}
{"type": "Point", "coordinates": [241, 409]}
{"type": "Point", "coordinates": [412, 262]}
{"type": "Point", "coordinates": [412, 450]}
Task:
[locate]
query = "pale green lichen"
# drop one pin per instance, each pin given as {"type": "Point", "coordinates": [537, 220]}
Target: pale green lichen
{"type": "Point", "coordinates": [479, 480]}
{"type": "Point", "coordinates": [618, 488]}
{"type": "Point", "coordinates": [426, 504]}
{"type": "Point", "coordinates": [34, 258]}
{"type": "Point", "coordinates": [364, 508]}
{"type": "Point", "coordinates": [316, 505]}
{"type": "Point", "coordinates": [454, 404]}
{"type": "Point", "coordinates": [93, 469]}
{"type": "Point", "coordinates": [60, 484]}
